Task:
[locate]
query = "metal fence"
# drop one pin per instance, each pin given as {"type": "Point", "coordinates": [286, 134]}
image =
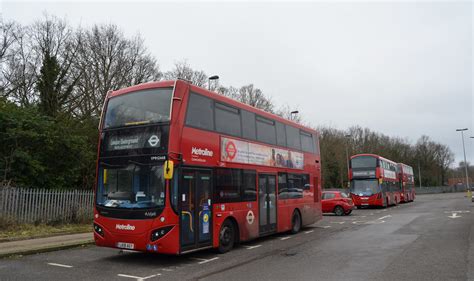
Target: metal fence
{"type": "Point", "coordinates": [45, 206]}
{"type": "Point", "coordinates": [439, 189]}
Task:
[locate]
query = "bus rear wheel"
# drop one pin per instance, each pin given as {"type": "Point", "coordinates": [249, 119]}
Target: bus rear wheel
{"type": "Point", "coordinates": [226, 237]}
{"type": "Point", "coordinates": [295, 222]}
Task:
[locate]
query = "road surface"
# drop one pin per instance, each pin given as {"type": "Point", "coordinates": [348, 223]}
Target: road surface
{"type": "Point", "coordinates": [429, 239]}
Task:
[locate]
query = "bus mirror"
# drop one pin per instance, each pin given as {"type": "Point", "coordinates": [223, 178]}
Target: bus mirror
{"type": "Point", "coordinates": [168, 170]}
{"type": "Point", "coordinates": [105, 176]}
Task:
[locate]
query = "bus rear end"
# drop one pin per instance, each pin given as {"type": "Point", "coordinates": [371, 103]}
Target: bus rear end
{"type": "Point", "coordinates": [365, 185]}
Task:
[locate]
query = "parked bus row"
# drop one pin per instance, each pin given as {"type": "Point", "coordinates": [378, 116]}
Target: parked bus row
{"type": "Point", "coordinates": [181, 169]}
{"type": "Point", "coordinates": [377, 181]}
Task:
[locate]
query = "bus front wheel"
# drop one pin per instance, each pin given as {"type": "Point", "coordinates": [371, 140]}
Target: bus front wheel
{"type": "Point", "coordinates": [226, 237]}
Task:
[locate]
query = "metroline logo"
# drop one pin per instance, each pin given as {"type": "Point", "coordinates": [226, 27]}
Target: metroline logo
{"type": "Point", "coordinates": [124, 227]}
{"type": "Point", "coordinates": [202, 152]}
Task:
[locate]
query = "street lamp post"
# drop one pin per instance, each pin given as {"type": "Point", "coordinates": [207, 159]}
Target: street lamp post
{"type": "Point", "coordinates": [465, 162]}
{"type": "Point", "coordinates": [347, 157]}
{"type": "Point", "coordinates": [419, 172]}
{"type": "Point", "coordinates": [214, 77]}
{"type": "Point", "coordinates": [292, 116]}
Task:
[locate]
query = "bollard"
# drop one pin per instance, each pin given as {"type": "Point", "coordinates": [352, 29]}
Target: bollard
{"type": "Point", "coordinates": [469, 194]}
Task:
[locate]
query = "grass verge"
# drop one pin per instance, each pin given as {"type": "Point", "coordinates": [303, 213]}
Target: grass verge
{"type": "Point", "coordinates": [12, 232]}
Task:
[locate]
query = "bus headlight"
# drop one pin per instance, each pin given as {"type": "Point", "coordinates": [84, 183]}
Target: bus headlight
{"type": "Point", "coordinates": [160, 232]}
{"type": "Point", "coordinates": [98, 229]}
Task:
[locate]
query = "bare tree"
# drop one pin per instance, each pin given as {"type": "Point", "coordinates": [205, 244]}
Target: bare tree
{"type": "Point", "coordinates": [183, 70]}
{"type": "Point", "coordinates": [19, 69]}
{"type": "Point", "coordinates": [285, 112]}
{"type": "Point", "coordinates": [8, 30]}
{"type": "Point", "coordinates": [253, 96]}
{"type": "Point", "coordinates": [54, 42]}
{"type": "Point", "coordinates": [109, 61]}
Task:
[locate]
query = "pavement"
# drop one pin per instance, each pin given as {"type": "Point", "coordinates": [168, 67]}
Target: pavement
{"type": "Point", "coordinates": [39, 245]}
{"type": "Point", "coordinates": [430, 239]}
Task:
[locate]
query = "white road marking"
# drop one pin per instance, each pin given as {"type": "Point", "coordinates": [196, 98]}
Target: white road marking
{"type": "Point", "coordinates": [454, 216]}
{"type": "Point", "coordinates": [138, 277]}
{"type": "Point", "coordinates": [384, 217]}
{"type": "Point", "coordinates": [284, 238]}
{"type": "Point", "coordinates": [167, 269]}
{"type": "Point", "coordinates": [128, 276]}
{"type": "Point", "coordinates": [252, 247]}
{"type": "Point", "coordinates": [339, 222]}
{"type": "Point", "coordinates": [377, 221]}
{"type": "Point", "coordinates": [384, 210]}
{"type": "Point", "coordinates": [309, 231]}
{"type": "Point", "coordinates": [209, 260]}
{"type": "Point", "coordinates": [460, 212]}
{"type": "Point", "coordinates": [323, 226]}
{"type": "Point", "coordinates": [60, 265]}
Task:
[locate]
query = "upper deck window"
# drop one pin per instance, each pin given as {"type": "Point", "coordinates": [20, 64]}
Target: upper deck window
{"type": "Point", "coordinates": [293, 137]}
{"type": "Point", "coordinates": [364, 162]}
{"type": "Point", "coordinates": [266, 130]}
{"type": "Point", "coordinates": [227, 119]}
{"type": "Point", "coordinates": [307, 142]}
{"type": "Point", "coordinates": [141, 107]}
{"type": "Point", "coordinates": [200, 112]}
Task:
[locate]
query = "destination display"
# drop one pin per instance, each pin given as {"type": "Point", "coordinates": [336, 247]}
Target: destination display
{"type": "Point", "coordinates": [135, 141]}
{"type": "Point", "coordinates": [238, 151]}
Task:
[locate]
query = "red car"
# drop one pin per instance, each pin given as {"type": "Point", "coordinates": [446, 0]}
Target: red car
{"type": "Point", "coordinates": [337, 202]}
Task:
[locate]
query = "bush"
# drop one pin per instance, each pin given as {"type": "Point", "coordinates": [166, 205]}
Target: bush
{"type": "Point", "coordinates": [42, 152]}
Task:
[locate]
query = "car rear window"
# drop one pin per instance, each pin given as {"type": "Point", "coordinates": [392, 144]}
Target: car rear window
{"type": "Point", "coordinates": [344, 195]}
{"type": "Point", "coordinates": [328, 195]}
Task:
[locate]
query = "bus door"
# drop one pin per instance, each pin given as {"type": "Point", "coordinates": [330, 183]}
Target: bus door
{"type": "Point", "coordinates": [267, 203]}
{"type": "Point", "coordinates": [195, 206]}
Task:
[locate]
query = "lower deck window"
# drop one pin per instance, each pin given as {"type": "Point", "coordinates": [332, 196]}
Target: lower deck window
{"type": "Point", "coordinates": [291, 186]}
{"type": "Point", "coordinates": [235, 185]}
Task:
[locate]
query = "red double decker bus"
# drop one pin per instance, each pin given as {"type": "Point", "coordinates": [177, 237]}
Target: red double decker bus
{"type": "Point", "coordinates": [181, 168]}
{"type": "Point", "coordinates": [407, 183]}
{"type": "Point", "coordinates": [373, 181]}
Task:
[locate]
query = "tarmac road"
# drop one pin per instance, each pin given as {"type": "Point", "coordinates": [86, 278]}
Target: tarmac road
{"type": "Point", "coordinates": [429, 239]}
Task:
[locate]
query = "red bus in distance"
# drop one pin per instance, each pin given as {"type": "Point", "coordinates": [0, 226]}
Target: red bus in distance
{"type": "Point", "coordinates": [407, 183]}
{"type": "Point", "coordinates": [373, 181]}
{"type": "Point", "coordinates": [181, 168]}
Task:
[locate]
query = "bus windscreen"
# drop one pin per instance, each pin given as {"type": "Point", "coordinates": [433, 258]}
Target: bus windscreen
{"type": "Point", "coordinates": [131, 186]}
{"type": "Point", "coordinates": [364, 162]}
{"type": "Point", "coordinates": [141, 107]}
{"type": "Point", "coordinates": [365, 187]}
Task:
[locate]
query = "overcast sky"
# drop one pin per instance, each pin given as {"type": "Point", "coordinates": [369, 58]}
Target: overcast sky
{"type": "Point", "coordinates": [403, 69]}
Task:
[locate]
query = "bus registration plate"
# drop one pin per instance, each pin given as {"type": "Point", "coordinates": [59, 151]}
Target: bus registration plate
{"type": "Point", "coordinates": [124, 245]}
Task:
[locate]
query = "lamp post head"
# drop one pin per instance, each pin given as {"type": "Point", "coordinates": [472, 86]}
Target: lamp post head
{"type": "Point", "coordinates": [459, 130]}
{"type": "Point", "coordinates": [294, 112]}
{"type": "Point", "coordinates": [214, 77]}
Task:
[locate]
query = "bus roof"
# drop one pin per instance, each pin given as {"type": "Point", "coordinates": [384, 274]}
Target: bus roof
{"type": "Point", "coordinates": [210, 94]}
{"type": "Point", "coordinates": [373, 155]}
